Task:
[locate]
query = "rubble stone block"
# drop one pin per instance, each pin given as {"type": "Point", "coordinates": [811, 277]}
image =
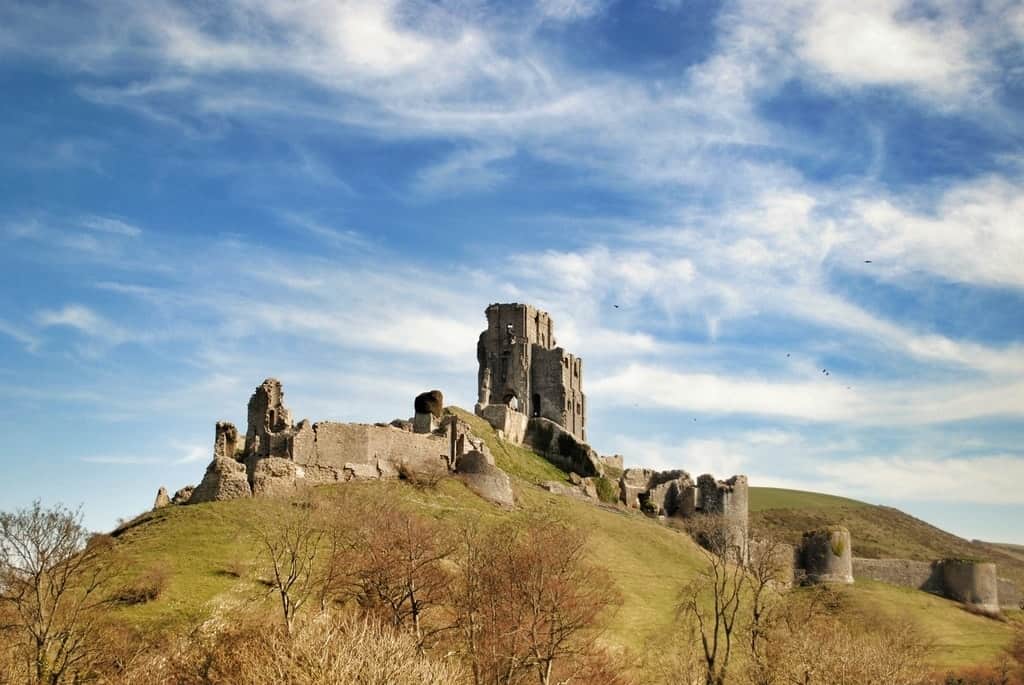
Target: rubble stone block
{"type": "Point", "coordinates": [430, 402]}
{"type": "Point", "coordinates": [162, 500]}
{"type": "Point", "coordinates": [274, 476]}
{"type": "Point", "coordinates": [224, 479]}
{"type": "Point", "coordinates": [183, 495]}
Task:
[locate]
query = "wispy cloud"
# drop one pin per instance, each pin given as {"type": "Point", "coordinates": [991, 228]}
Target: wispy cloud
{"type": "Point", "coordinates": [820, 399]}
{"type": "Point", "coordinates": [28, 340]}
{"type": "Point", "coordinates": [464, 171]}
{"type": "Point", "coordinates": [328, 234]}
{"type": "Point", "coordinates": [991, 479]}
{"type": "Point", "coordinates": [105, 224]}
{"type": "Point", "coordinates": [85, 320]}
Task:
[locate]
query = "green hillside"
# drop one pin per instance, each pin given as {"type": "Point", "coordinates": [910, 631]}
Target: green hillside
{"type": "Point", "coordinates": [877, 532]}
{"type": "Point", "coordinates": [208, 557]}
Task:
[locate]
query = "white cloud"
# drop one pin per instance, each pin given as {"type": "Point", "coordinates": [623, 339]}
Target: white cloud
{"type": "Point", "coordinates": [194, 453]}
{"type": "Point", "coordinates": [331, 235]}
{"type": "Point", "coordinates": [78, 317]}
{"type": "Point", "coordinates": [870, 43]}
{"type": "Point", "coordinates": [463, 171]}
{"type": "Point", "coordinates": [29, 341]}
{"type": "Point", "coordinates": [821, 399]}
{"type": "Point", "coordinates": [568, 10]}
{"type": "Point", "coordinates": [993, 479]}
{"type": "Point", "coordinates": [696, 456]}
{"type": "Point", "coordinates": [110, 225]}
{"type": "Point", "coordinates": [95, 326]}
{"type": "Point", "coordinates": [973, 235]}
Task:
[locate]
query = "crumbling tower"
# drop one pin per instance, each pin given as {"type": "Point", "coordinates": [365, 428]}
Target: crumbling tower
{"type": "Point", "coordinates": [270, 427]}
{"type": "Point", "coordinates": [521, 365]}
{"type": "Point", "coordinates": [826, 555]}
{"type": "Point", "coordinates": [728, 500]}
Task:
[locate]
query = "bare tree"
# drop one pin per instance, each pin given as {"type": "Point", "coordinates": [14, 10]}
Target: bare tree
{"type": "Point", "coordinates": [527, 601]}
{"type": "Point", "coordinates": [397, 568]}
{"type": "Point", "coordinates": [769, 573]}
{"type": "Point", "coordinates": [53, 588]}
{"type": "Point", "coordinates": [291, 537]}
{"type": "Point", "coordinates": [713, 598]}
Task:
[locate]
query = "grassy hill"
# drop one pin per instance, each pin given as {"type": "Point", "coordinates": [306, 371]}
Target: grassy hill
{"type": "Point", "coordinates": [208, 556]}
{"type": "Point", "coordinates": [877, 532]}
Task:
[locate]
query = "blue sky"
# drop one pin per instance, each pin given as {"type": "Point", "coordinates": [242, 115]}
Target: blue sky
{"type": "Point", "coordinates": [193, 198]}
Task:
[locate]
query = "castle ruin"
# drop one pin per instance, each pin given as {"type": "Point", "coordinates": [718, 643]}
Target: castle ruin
{"type": "Point", "coordinates": [522, 367]}
{"type": "Point", "coordinates": [530, 391]}
{"type": "Point", "coordinates": [279, 456]}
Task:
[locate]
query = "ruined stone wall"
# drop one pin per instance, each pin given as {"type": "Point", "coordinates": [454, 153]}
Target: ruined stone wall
{"type": "Point", "coordinates": [346, 450]}
{"type": "Point", "coordinates": [726, 498]}
{"type": "Point", "coordinates": [561, 448]}
{"type": "Point", "coordinates": [920, 575]}
{"type": "Point", "coordinates": [225, 441]}
{"type": "Point", "coordinates": [512, 424]}
{"type": "Point", "coordinates": [548, 398]}
{"type": "Point", "coordinates": [557, 381]}
{"type": "Point", "coordinates": [614, 461]}
{"type": "Point", "coordinates": [930, 576]}
{"type": "Point", "coordinates": [281, 457]}
{"type": "Point", "coordinates": [1010, 596]}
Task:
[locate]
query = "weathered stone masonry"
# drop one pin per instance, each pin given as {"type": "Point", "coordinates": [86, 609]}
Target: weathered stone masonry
{"type": "Point", "coordinates": [968, 581]}
{"type": "Point", "coordinates": [279, 456]}
{"type": "Point", "coordinates": [519, 359]}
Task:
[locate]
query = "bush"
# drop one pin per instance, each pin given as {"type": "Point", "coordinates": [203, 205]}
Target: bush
{"type": "Point", "coordinates": [606, 490]}
{"type": "Point", "coordinates": [145, 588]}
{"type": "Point", "coordinates": [324, 651]}
{"type": "Point", "coordinates": [648, 507]}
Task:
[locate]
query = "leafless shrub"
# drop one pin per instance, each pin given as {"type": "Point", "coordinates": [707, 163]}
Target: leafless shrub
{"type": "Point", "coordinates": [812, 646]}
{"type": "Point", "coordinates": [320, 650]}
{"type": "Point", "coordinates": [144, 588]}
{"type": "Point", "coordinates": [768, 575]}
{"type": "Point", "coordinates": [394, 568]}
{"type": "Point", "coordinates": [291, 537]}
{"type": "Point", "coordinates": [712, 600]}
{"type": "Point", "coordinates": [54, 587]}
{"type": "Point", "coordinates": [528, 603]}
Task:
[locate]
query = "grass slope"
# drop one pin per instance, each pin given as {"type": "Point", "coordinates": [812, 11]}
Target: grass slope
{"type": "Point", "coordinates": [877, 532]}
{"type": "Point", "coordinates": [201, 546]}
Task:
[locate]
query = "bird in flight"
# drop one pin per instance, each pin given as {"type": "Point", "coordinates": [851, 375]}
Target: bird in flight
{"type": "Point", "coordinates": [867, 261]}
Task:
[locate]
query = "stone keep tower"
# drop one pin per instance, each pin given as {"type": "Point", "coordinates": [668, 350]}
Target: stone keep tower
{"type": "Point", "coordinates": [518, 358]}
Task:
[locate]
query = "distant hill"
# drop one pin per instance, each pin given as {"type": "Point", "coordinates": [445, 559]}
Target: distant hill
{"type": "Point", "coordinates": [877, 532]}
{"type": "Point", "coordinates": [203, 547]}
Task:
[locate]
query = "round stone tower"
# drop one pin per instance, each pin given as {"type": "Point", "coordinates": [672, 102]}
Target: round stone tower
{"type": "Point", "coordinates": [827, 555]}
{"type": "Point", "coordinates": [972, 582]}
